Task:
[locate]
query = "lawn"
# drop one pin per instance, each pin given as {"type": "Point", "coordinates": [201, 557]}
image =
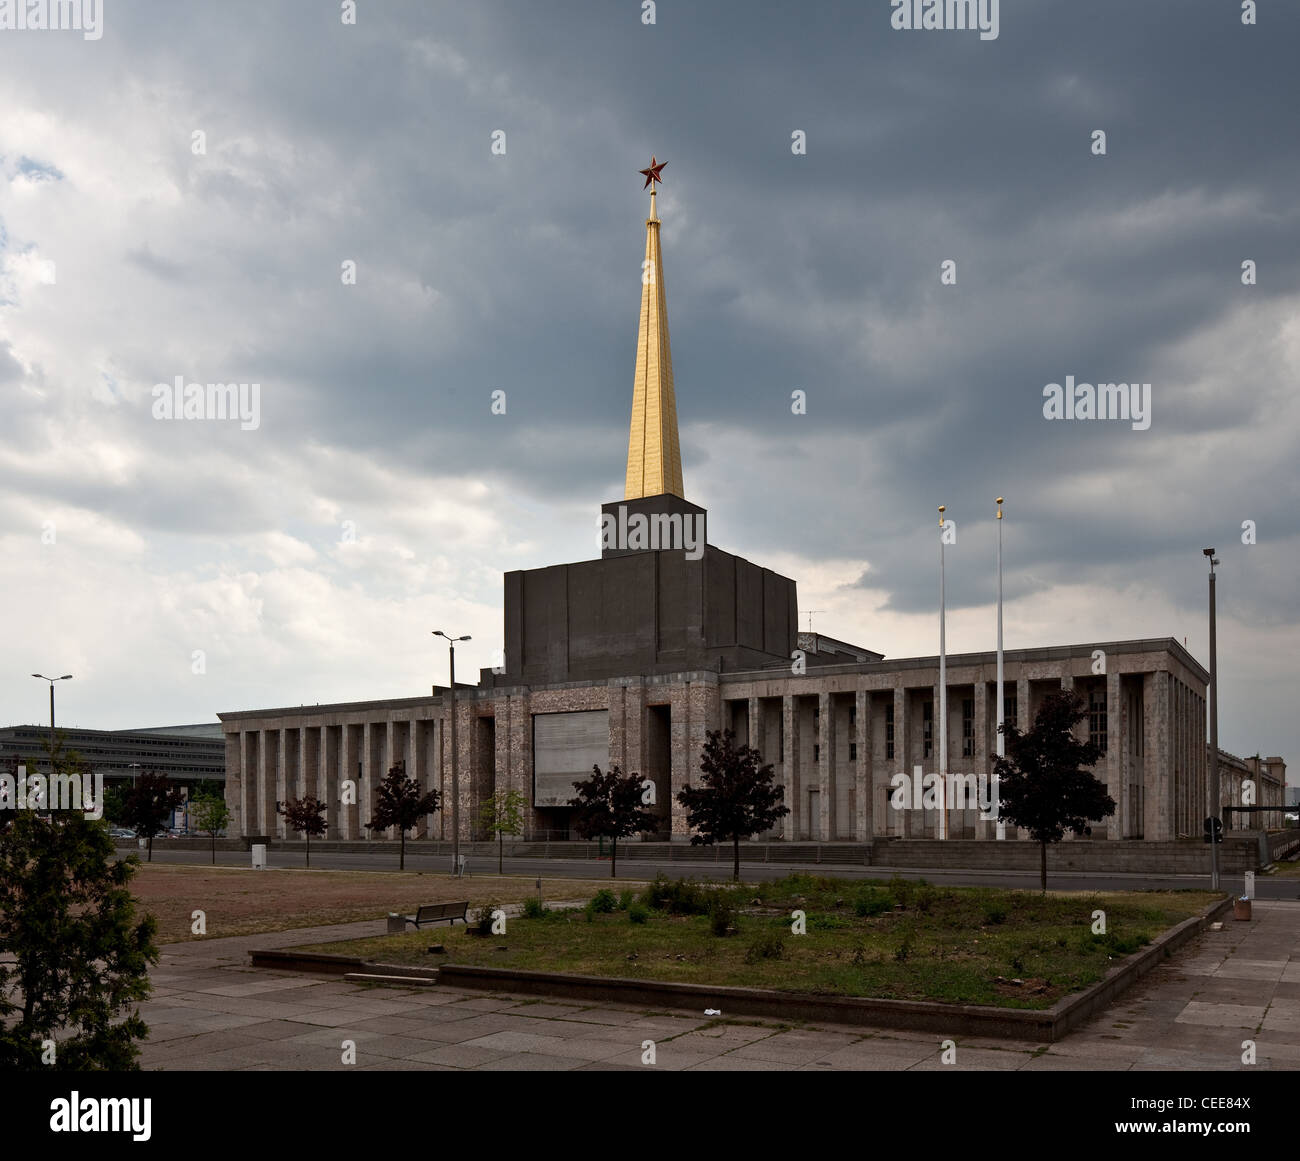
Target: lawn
{"type": "Point", "coordinates": [899, 940]}
{"type": "Point", "coordinates": [240, 901]}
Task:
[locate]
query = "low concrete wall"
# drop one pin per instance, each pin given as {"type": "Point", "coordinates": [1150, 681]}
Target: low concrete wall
{"type": "Point", "coordinates": [1239, 852]}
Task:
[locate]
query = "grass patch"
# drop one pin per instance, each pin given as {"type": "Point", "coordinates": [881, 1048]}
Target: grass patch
{"type": "Point", "coordinates": [241, 901]}
{"type": "Point", "coordinates": [973, 945]}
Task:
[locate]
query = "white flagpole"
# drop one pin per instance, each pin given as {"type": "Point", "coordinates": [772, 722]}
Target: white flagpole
{"type": "Point", "coordinates": [943, 698]}
{"type": "Point", "coordinates": [1002, 742]}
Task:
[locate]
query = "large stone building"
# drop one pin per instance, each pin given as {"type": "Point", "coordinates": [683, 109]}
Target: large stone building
{"type": "Point", "coordinates": [633, 657]}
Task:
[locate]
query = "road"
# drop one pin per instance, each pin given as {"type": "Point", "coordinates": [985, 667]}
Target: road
{"type": "Point", "coordinates": [1266, 887]}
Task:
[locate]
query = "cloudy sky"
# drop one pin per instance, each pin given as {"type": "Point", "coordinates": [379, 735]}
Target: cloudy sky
{"type": "Point", "coordinates": [179, 198]}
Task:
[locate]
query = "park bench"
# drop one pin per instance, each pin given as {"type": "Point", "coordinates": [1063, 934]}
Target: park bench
{"type": "Point", "coordinates": [438, 913]}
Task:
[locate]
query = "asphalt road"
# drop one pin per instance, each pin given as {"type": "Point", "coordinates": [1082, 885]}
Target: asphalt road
{"type": "Point", "coordinates": [1266, 887]}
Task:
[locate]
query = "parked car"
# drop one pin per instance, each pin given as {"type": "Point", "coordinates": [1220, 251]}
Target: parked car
{"type": "Point", "coordinates": [121, 832]}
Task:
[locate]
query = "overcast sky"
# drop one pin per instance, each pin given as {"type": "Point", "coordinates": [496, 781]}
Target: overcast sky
{"type": "Point", "coordinates": [178, 198]}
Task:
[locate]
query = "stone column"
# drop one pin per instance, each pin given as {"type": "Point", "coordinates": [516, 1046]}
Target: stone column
{"type": "Point", "coordinates": [790, 760]}
{"type": "Point", "coordinates": [901, 819]}
{"type": "Point", "coordinates": [755, 719]}
{"type": "Point", "coordinates": [979, 762]}
{"type": "Point", "coordinates": [1116, 742]}
{"type": "Point", "coordinates": [826, 824]}
{"type": "Point", "coordinates": [353, 737]}
{"type": "Point", "coordinates": [864, 770]}
{"type": "Point", "coordinates": [1024, 722]}
{"type": "Point", "coordinates": [266, 759]}
{"type": "Point", "coordinates": [1156, 803]}
{"type": "Point", "coordinates": [329, 779]}
{"type": "Point", "coordinates": [234, 788]}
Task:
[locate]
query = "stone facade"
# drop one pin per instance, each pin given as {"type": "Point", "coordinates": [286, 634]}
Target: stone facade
{"type": "Point", "coordinates": [836, 734]}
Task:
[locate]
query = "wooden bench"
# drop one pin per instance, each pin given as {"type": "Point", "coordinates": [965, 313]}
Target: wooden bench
{"type": "Point", "coordinates": [439, 913]}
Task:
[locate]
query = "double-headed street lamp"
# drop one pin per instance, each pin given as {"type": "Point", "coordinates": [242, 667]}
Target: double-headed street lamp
{"type": "Point", "coordinates": [455, 780]}
{"type": "Point", "coordinates": [52, 680]}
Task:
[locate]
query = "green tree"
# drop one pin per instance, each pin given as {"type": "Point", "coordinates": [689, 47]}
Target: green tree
{"type": "Point", "coordinates": [149, 804]}
{"type": "Point", "coordinates": [399, 803]}
{"type": "Point", "coordinates": [306, 816]}
{"type": "Point", "coordinates": [1044, 782]}
{"type": "Point", "coordinates": [503, 814]}
{"type": "Point", "coordinates": [738, 796]}
{"type": "Point", "coordinates": [610, 805]}
{"type": "Point", "coordinates": [210, 815]}
{"type": "Point", "coordinates": [74, 957]}
{"type": "Point", "coordinates": [115, 803]}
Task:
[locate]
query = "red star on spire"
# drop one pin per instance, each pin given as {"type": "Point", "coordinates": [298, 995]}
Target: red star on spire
{"type": "Point", "coordinates": [652, 174]}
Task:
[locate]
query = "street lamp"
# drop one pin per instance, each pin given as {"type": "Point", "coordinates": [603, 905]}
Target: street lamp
{"type": "Point", "coordinates": [52, 680]}
{"type": "Point", "coordinates": [1215, 812]}
{"type": "Point", "coordinates": [455, 780]}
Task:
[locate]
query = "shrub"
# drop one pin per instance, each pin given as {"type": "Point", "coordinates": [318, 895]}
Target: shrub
{"type": "Point", "coordinates": [676, 896]}
{"type": "Point", "coordinates": [625, 899]}
{"type": "Point", "coordinates": [769, 946]}
{"type": "Point", "coordinates": [904, 950]}
{"type": "Point", "coordinates": [533, 909]}
{"type": "Point", "coordinates": [638, 913]}
{"type": "Point", "coordinates": [603, 902]}
{"type": "Point", "coordinates": [722, 916]}
{"type": "Point", "coordinates": [925, 896]}
{"type": "Point", "coordinates": [483, 919]}
{"type": "Point", "coordinates": [994, 913]}
{"type": "Point", "coordinates": [901, 890]}
{"type": "Point", "coordinates": [872, 901]}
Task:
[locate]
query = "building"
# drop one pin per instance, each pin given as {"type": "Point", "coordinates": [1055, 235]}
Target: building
{"type": "Point", "coordinates": [188, 754]}
{"type": "Point", "coordinates": [633, 657]}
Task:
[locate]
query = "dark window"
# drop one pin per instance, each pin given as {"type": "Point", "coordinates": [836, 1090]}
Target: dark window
{"type": "Point", "coordinates": [853, 751]}
{"type": "Point", "coordinates": [1009, 708]}
{"type": "Point", "coordinates": [889, 729]}
{"type": "Point", "coordinates": [853, 715]}
{"type": "Point", "coordinates": [817, 752]}
{"type": "Point", "coordinates": [927, 726]}
{"type": "Point", "coordinates": [968, 727]}
{"type": "Point", "coordinates": [1097, 718]}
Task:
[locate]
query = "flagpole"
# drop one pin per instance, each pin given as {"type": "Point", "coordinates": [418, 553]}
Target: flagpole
{"type": "Point", "coordinates": [943, 697]}
{"type": "Point", "coordinates": [1002, 742]}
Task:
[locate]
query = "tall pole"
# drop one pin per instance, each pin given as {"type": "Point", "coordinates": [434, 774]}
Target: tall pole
{"type": "Point", "coordinates": [52, 680]}
{"type": "Point", "coordinates": [943, 696]}
{"type": "Point", "coordinates": [1215, 812]}
{"type": "Point", "coordinates": [455, 777]}
{"type": "Point", "coordinates": [455, 767]}
{"type": "Point", "coordinates": [1002, 742]}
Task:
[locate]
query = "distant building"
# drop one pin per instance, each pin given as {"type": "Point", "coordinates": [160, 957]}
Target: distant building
{"type": "Point", "coordinates": [188, 754]}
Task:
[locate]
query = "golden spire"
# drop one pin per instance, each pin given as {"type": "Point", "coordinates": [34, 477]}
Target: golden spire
{"type": "Point", "coordinates": [654, 459]}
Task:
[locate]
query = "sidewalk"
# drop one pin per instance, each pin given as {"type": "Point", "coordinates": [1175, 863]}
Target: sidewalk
{"type": "Point", "coordinates": [210, 1011]}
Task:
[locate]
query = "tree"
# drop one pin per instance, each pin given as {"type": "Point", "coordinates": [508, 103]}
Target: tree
{"type": "Point", "coordinates": [306, 816]}
{"type": "Point", "coordinates": [210, 815]}
{"type": "Point", "coordinates": [1044, 783]}
{"type": "Point", "coordinates": [399, 803]}
{"type": "Point", "coordinates": [503, 814]}
{"type": "Point", "coordinates": [149, 804]}
{"type": "Point", "coordinates": [739, 796]}
{"type": "Point", "coordinates": [115, 803]}
{"type": "Point", "coordinates": [74, 958]}
{"type": "Point", "coordinates": [610, 804]}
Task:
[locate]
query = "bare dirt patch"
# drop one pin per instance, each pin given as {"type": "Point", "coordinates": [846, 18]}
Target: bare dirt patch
{"type": "Point", "coordinates": [239, 901]}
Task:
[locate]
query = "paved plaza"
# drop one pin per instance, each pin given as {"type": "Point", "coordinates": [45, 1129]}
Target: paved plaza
{"type": "Point", "coordinates": [211, 1011]}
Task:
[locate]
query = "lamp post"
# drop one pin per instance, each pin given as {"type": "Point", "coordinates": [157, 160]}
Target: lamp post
{"type": "Point", "coordinates": [1001, 827]}
{"type": "Point", "coordinates": [52, 680]}
{"type": "Point", "coordinates": [1215, 812]}
{"type": "Point", "coordinates": [455, 779]}
{"type": "Point", "coordinates": [943, 695]}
